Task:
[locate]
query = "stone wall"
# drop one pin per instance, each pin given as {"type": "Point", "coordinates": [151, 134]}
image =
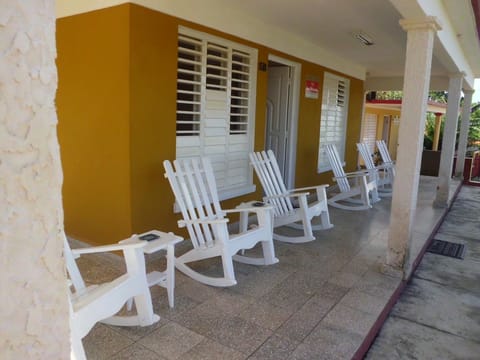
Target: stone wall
{"type": "Point", "coordinates": [34, 308]}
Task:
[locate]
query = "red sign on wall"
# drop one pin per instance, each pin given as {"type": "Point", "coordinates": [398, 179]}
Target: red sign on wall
{"type": "Point", "coordinates": [311, 89]}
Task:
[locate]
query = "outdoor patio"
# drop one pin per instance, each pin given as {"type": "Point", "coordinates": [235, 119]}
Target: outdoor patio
{"type": "Point", "coordinates": [320, 301]}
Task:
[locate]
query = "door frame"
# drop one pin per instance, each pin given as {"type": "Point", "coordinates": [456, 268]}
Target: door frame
{"type": "Point", "coordinates": [294, 99]}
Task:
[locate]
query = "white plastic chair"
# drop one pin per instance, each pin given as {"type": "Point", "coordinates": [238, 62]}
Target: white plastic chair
{"type": "Point", "coordinates": [285, 213]}
{"type": "Point", "coordinates": [99, 303]}
{"type": "Point", "coordinates": [193, 184]}
{"type": "Point", "coordinates": [383, 173]}
{"type": "Point", "coordinates": [358, 195]}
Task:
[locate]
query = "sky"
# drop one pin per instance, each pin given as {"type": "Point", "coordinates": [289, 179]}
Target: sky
{"type": "Point", "coordinates": [476, 94]}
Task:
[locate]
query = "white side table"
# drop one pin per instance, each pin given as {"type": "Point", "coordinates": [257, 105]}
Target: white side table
{"type": "Point", "coordinates": [161, 241]}
{"type": "Point", "coordinates": [243, 220]}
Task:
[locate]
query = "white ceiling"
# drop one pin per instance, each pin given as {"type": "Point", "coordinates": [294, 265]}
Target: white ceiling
{"type": "Point", "coordinates": [321, 31]}
{"type": "Point", "coordinates": [330, 24]}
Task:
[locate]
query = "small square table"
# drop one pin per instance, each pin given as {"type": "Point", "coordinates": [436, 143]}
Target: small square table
{"type": "Point", "coordinates": [243, 221]}
{"type": "Point", "coordinates": [156, 241]}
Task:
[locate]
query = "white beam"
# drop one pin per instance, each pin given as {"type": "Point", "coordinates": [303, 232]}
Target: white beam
{"type": "Point", "coordinates": [395, 83]}
{"type": "Point", "coordinates": [449, 51]}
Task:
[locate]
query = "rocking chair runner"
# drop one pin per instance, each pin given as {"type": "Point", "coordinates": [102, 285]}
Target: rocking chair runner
{"type": "Point", "coordinates": [285, 213]}
{"type": "Point", "coordinates": [193, 184]}
{"type": "Point", "coordinates": [352, 196]}
{"type": "Point", "coordinates": [384, 174]}
{"type": "Point", "coordinates": [99, 303]}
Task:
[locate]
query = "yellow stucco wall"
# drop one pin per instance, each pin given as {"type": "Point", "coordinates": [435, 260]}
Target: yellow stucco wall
{"type": "Point", "coordinates": [93, 130]}
{"type": "Point", "coordinates": [393, 133]}
{"type": "Point", "coordinates": [142, 105]}
{"type": "Point", "coordinates": [153, 79]}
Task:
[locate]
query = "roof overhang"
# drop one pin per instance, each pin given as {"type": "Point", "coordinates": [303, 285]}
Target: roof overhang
{"type": "Point", "coordinates": [325, 32]}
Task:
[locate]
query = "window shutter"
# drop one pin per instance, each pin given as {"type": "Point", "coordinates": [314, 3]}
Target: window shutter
{"type": "Point", "coordinates": [370, 131]}
{"type": "Point", "coordinates": [333, 118]}
{"type": "Point", "coordinates": [215, 106]}
{"type": "Point", "coordinates": [189, 85]}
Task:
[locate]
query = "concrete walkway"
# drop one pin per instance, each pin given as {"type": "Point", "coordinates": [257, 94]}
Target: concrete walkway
{"type": "Point", "coordinates": [438, 314]}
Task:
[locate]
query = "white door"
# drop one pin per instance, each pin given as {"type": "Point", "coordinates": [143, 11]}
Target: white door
{"type": "Point", "coordinates": [277, 133]}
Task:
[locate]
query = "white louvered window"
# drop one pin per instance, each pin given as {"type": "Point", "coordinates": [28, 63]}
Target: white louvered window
{"type": "Point", "coordinates": [333, 117]}
{"type": "Point", "coordinates": [216, 82]}
{"type": "Point", "coordinates": [369, 135]}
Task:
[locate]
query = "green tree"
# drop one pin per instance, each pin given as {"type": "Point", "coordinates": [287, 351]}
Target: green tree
{"type": "Point", "coordinates": [474, 130]}
{"type": "Point", "coordinates": [438, 96]}
{"type": "Point", "coordinates": [430, 131]}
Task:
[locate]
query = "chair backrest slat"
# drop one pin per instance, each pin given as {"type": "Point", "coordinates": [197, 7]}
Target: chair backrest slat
{"type": "Point", "coordinates": [366, 156]}
{"type": "Point", "coordinates": [337, 167]}
{"type": "Point", "coordinates": [268, 172]}
{"type": "Point", "coordinates": [184, 201]}
{"type": "Point", "coordinates": [193, 184]}
{"type": "Point", "coordinates": [384, 153]}
{"type": "Point", "coordinates": [199, 201]}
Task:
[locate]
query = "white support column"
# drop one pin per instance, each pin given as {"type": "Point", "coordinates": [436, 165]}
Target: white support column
{"type": "Point", "coordinates": [448, 142]}
{"type": "Point", "coordinates": [415, 92]}
{"type": "Point", "coordinates": [464, 127]}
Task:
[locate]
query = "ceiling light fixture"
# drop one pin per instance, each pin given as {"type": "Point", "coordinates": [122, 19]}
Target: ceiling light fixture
{"type": "Point", "coordinates": [363, 38]}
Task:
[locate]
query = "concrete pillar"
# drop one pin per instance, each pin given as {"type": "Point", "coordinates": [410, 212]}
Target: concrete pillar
{"type": "Point", "coordinates": [436, 134]}
{"type": "Point", "coordinates": [412, 125]}
{"type": "Point", "coordinates": [448, 142]}
{"type": "Point", "coordinates": [34, 307]}
{"type": "Point", "coordinates": [463, 138]}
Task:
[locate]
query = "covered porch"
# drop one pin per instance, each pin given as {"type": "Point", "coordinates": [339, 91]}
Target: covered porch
{"type": "Point", "coordinates": [324, 299]}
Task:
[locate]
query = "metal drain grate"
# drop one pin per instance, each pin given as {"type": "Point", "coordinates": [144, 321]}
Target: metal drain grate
{"type": "Point", "coordinates": [447, 248]}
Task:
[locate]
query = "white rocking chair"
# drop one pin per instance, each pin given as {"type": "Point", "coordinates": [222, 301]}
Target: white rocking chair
{"type": "Point", "coordinates": [193, 184]}
{"type": "Point", "coordinates": [354, 196]}
{"type": "Point", "coordinates": [385, 154]}
{"type": "Point", "coordinates": [99, 303]}
{"type": "Point", "coordinates": [277, 195]}
{"type": "Point", "coordinates": [384, 173]}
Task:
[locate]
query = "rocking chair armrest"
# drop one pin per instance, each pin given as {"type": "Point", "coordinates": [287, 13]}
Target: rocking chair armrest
{"type": "Point", "coordinates": [355, 174]}
{"type": "Point", "coordinates": [292, 194]}
{"type": "Point", "coordinates": [183, 223]}
{"type": "Point", "coordinates": [107, 248]}
{"type": "Point", "coordinates": [316, 187]}
{"type": "Point", "coordinates": [249, 209]}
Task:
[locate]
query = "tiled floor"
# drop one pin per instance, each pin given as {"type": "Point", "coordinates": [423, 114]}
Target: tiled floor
{"type": "Point", "coordinates": [318, 302]}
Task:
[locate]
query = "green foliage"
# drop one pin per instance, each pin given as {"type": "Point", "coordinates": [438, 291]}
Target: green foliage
{"type": "Point", "coordinates": [474, 131]}
{"type": "Point", "coordinates": [438, 96]}
{"type": "Point", "coordinates": [388, 95]}
{"type": "Point", "coordinates": [430, 131]}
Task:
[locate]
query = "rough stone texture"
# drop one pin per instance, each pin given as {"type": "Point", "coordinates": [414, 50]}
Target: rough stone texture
{"type": "Point", "coordinates": [34, 309]}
